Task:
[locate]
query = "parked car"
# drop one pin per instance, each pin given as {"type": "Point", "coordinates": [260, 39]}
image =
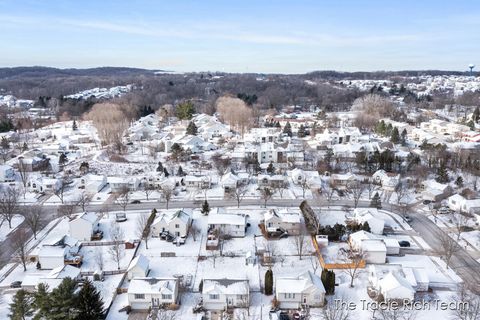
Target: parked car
{"type": "Point", "coordinates": [120, 216]}
{"type": "Point", "coordinates": [404, 244]}
{"type": "Point", "coordinates": [135, 202]}
{"type": "Point", "coordinates": [426, 202]}
{"type": "Point", "coordinates": [16, 284]}
{"type": "Point", "coordinates": [283, 316]}
{"type": "Point", "coordinates": [443, 210]}
{"type": "Point", "coordinates": [408, 219]}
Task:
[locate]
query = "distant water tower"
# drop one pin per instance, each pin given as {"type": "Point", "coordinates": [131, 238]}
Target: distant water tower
{"type": "Point", "coordinates": [471, 66]}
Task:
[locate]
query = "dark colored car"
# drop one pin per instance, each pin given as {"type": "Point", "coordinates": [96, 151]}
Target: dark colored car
{"type": "Point", "coordinates": [408, 219]}
{"type": "Point", "coordinates": [426, 201]}
{"type": "Point", "coordinates": [135, 202]}
{"type": "Point", "coordinates": [16, 284]}
{"type": "Point", "coordinates": [283, 316]}
{"type": "Point", "coordinates": [404, 244]}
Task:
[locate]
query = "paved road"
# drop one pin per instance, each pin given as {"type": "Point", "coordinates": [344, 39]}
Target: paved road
{"type": "Point", "coordinates": [461, 262]}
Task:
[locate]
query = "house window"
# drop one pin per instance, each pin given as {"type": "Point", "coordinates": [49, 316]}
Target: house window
{"type": "Point", "coordinates": [177, 226]}
{"type": "Point", "coordinates": [241, 297]}
{"type": "Point", "coordinates": [139, 296]}
{"type": "Point", "coordinates": [166, 297]}
{"type": "Point", "coordinates": [214, 296]}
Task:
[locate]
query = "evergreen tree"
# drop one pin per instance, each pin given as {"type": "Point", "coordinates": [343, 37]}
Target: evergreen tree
{"type": "Point", "coordinates": [165, 172]}
{"type": "Point", "coordinates": [180, 172]}
{"type": "Point", "coordinates": [277, 125]}
{"type": "Point", "coordinates": [25, 146]}
{"type": "Point", "coordinates": [177, 151]}
{"type": "Point", "coordinates": [287, 129]}
{"type": "Point", "coordinates": [256, 167]}
{"type": "Point", "coordinates": [271, 168]}
{"type": "Point", "coordinates": [459, 182]}
{"type": "Point", "coordinates": [205, 208]}
{"type": "Point", "coordinates": [471, 125]}
{"type": "Point", "coordinates": [301, 131]}
{"type": "Point", "coordinates": [269, 282]}
{"type": "Point", "coordinates": [366, 227]}
{"type": "Point", "coordinates": [395, 136]}
{"type": "Point", "coordinates": [328, 280]}
{"type": "Point", "coordinates": [381, 128]}
{"type": "Point", "coordinates": [388, 130]}
{"type": "Point", "coordinates": [89, 303]}
{"type": "Point", "coordinates": [404, 136]}
{"type": "Point", "coordinates": [376, 201]}
{"type": "Point", "coordinates": [160, 167]}
{"type": "Point", "coordinates": [476, 114]}
{"type": "Point", "coordinates": [192, 129]}
{"type": "Point", "coordinates": [74, 125]}
{"type": "Point", "coordinates": [185, 111]}
{"type": "Point", "coordinates": [62, 159]}
{"type": "Point", "coordinates": [41, 301]}
{"type": "Point", "coordinates": [21, 306]}
{"type": "Point", "coordinates": [63, 301]}
{"type": "Point", "coordinates": [5, 144]}
{"type": "Point", "coordinates": [442, 174]}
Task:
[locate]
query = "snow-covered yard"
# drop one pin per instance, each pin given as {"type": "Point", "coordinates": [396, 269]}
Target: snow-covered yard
{"type": "Point", "coordinates": [5, 229]}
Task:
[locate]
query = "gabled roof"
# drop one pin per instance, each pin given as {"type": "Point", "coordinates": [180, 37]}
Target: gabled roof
{"type": "Point", "coordinates": [226, 286]}
{"type": "Point", "coordinates": [90, 217]}
{"type": "Point", "coordinates": [299, 284]}
{"type": "Point", "coordinates": [139, 261]}
{"type": "Point", "coordinates": [149, 285]}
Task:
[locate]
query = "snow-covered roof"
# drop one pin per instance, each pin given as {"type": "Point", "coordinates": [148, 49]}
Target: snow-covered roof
{"type": "Point", "coordinates": [66, 271]}
{"type": "Point", "coordinates": [88, 216]}
{"type": "Point", "coordinates": [392, 281]}
{"type": "Point", "coordinates": [226, 219]}
{"type": "Point", "coordinates": [284, 216]}
{"type": "Point", "coordinates": [139, 261]}
{"type": "Point", "coordinates": [299, 283]}
{"type": "Point", "coordinates": [226, 286]}
{"type": "Point", "coordinates": [149, 285]}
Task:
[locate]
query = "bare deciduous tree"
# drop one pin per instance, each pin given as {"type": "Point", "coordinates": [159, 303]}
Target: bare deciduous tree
{"type": "Point", "coordinates": [381, 313]}
{"type": "Point", "coordinates": [24, 174]}
{"type": "Point", "coordinates": [448, 246]}
{"type": "Point", "coordinates": [148, 189]}
{"type": "Point", "coordinates": [62, 187]}
{"type": "Point", "coordinates": [370, 109]}
{"type": "Point", "coordinates": [83, 200]}
{"type": "Point", "coordinates": [99, 258]}
{"type": "Point", "coordinates": [235, 112]}
{"type": "Point", "coordinates": [353, 258]}
{"type": "Point", "coordinates": [266, 194]}
{"type": "Point", "coordinates": [195, 231]}
{"type": "Point", "coordinates": [300, 242]}
{"type": "Point", "coordinates": [238, 193]}
{"type": "Point", "coordinates": [66, 210]}
{"type": "Point", "coordinates": [33, 218]}
{"type": "Point", "coordinates": [280, 188]}
{"type": "Point", "coordinates": [19, 242]}
{"type": "Point", "coordinates": [143, 228]}
{"type": "Point", "coordinates": [123, 197]}
{"type": "Point", "coordinates": [356, 189]}
{"type": "Point", "coordinates": [9, 204]}
{"type": "Point", "coordinates": [468, 304]}
{"type": "Point", "coordinates": [334, 310]}
{"type": "Point", "coordinates": [167, 193]}
{"type": "Point", "coordinates": [117, 249]}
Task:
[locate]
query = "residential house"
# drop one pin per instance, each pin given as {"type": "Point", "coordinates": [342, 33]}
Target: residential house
{"type": "Point", "coordinates": [118, 184]}
{"type": "Point", "coordinates": [233, 225]}
{"type": "Point", "coordinates": [52, 279]}
{"type": "Point", "coordinates": [7, 174]}
{"type": "Point", "coordinates": [42, 184]}
{"type": "Point", "coordinates": [394, 287]}
{"type": "Point", "coordinates": [148, 292]}
{"type": "Point", "coordinates": [388, 181]}
{"type": "Point", "coordinates": [367, 215]}
{"type": "Point", "coordinates": [305, 289]}
{"type": "Point", "coordinates": [84, 226]}
{"type": "Point", "coordinates": [220, 294]}
{"type": "Point", "coordinates": [290, 222]}
{"type": "Point", "coordinates": [461, 204]}
{"type": "Point", "coordinates": [373, 247]}
{"type": "Point", "coordinates": [92, 183]}
{"type": "Point", "coordinates": [434, 191]}
{"type": "Point", "coordinates": [59, 252]}
{"type": "Point", "coordinates": [197, 182]}
{"type": "Point", "coordinates": [138, 267]}
{"type": "Point", "coordinates": [342, 181]}
{"type": "Point", "coordinates": [271, 181]}
{"type": "Point", "coordinates": [229, 181]}
{"type": "Point", "coordinates": [176, 223]}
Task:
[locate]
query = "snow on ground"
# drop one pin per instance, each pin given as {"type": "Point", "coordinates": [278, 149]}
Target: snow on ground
{"type": "Point", "coordinates": [5, 229]}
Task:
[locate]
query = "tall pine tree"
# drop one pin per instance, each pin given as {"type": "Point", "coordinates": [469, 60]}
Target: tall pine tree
{"type": "Point", "coordinates": [63, 301]}
{"type": "Point", "coordinates": [205, 208]}
{"type": "Point", "coordinates": [89, 303]}
{"type": "Point", "coordinates": [192, 129]}
{"type": "Point", "coordinates": [21, 306]}
{"type": "Point", "coordinates": [269, 282]}
{"type": "Point", "coordinates": [287, 129]}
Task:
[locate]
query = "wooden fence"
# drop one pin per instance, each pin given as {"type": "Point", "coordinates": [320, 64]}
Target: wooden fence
{"type": "Point", "coordinates": [330, 266]}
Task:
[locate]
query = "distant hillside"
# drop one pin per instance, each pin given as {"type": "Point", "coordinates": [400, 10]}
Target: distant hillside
{"type": "Point", "coordinates": [47, 72]}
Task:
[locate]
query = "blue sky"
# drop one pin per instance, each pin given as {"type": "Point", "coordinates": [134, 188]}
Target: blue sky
{"type": "Point", "coordinates": [242, 36]}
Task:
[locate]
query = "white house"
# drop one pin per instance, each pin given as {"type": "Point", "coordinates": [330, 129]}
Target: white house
{"type": "Point", "coordinates": [289, 222]}
{"type": "Point", "coordinates": [394, 287]}
{"type": "Point", "coordinates": [374, 248]}
{"type": "Point", "coordinates": [138, 267]}
{"type": "Point", "coordinates": [92, 183]}
{"type": "Point", "coordinates": [220, 294]}
{"type": "Point", "coordinates": [434, 191]}
{"type": "Point", "coordinates": [461, 204]}
{"type": "Point", "coordinates": [117, 184]}
{"type": "Point", "coordinates": [52, 279]}
{"type": "Point", "coordinates": [44, 184]}
{"type": "Point", "coordinates": [417, 278]}
{"type": "Point", "coordinates": [229, 181]}
{"type": "Point", "coordinates": [387, 180]}
{"type": "Point", "coordinates": [197, 182]}
{"type": "Point", "coordinates": [368, 215]}
{"type": "Point", "coordinates": [84, 226]}
{"type": "Point", "coordinates": [59, 252]}
{"type": "Point", "coordinates": [176, 224]}
{"type": "Point", "coordinates": [148, 292]}
{"type": "Point", "coordinates": [233, 225]}
{"type": "Point", "coordinates": [7, 174]}
{"type": "Point", "coordinates": [305, 289]}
